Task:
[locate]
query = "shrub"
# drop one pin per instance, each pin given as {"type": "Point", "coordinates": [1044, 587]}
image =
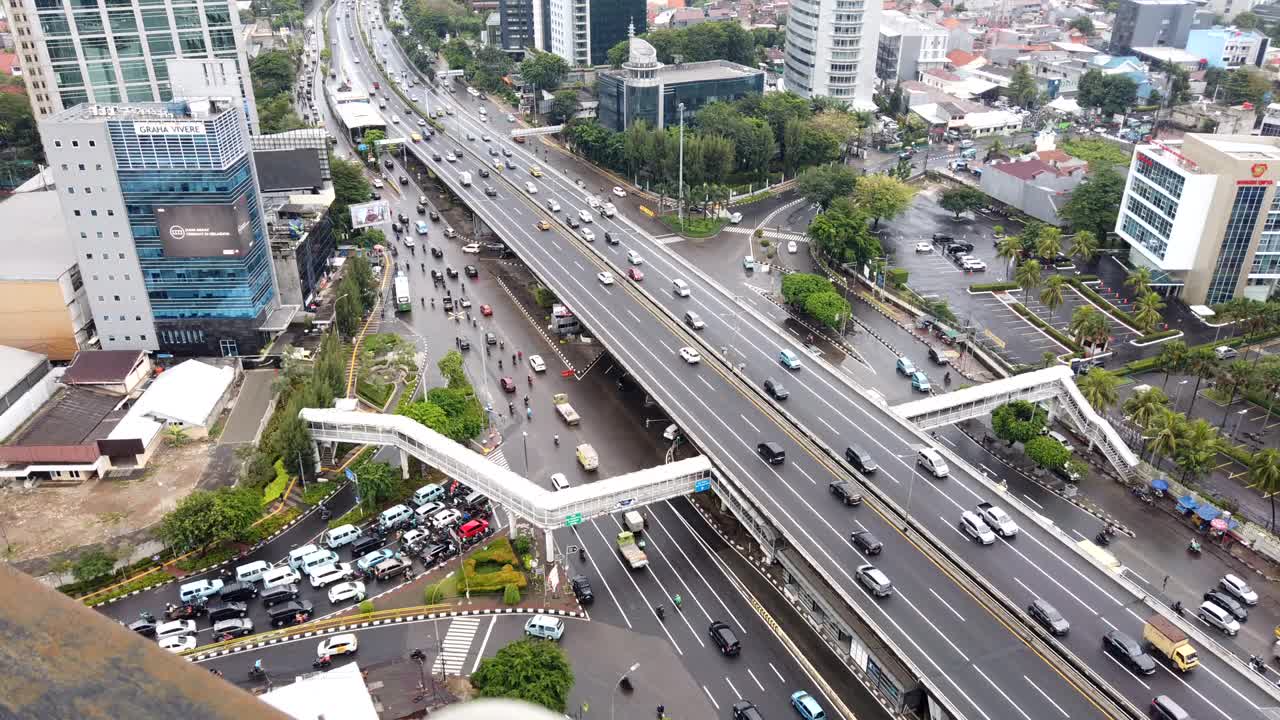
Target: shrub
{"type": "Point", "coordinates": [276, 487]}
{"type": "Point", "coordinates": [544, 297]}
{"type": "Point", "coordinates": [522, 544]}
{"type": "Point", "coordinates": [759, 232]}
{"type": "Point", "coordinates": [93, 564]}
{"type": "Point", "coordinates": [433, 594]}
{"type": "Point", "coordinates": [896, 277]}
{"type": "Point", "coordinates": [994, 287]}
{"type": "Point", "coordinates": [1152, 337]}
{"type": "Point", "coordinates": [511, 595]}
{"type": "Point", "coordinates": [366, 607]}
{"type": "Point", "coordinates": [1103, 303]}
{"type": "Point", "coordinates": [1052, 331]}
{"type": "Point", "coordinates": [1047, 452]}
{"type": "Point", "coordinates": [765, 242]}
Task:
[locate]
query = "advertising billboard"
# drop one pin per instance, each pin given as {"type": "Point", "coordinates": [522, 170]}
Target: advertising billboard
{"type": "Point", "coordinates": [370, 213]}
{"type": "Point", "coordinates": [205, 230]}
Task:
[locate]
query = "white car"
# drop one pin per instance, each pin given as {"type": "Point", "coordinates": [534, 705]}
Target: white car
{"type": "Point", "coordinates": [1239, 589]}
{"type": "Point", "coordinates": [377, 182]}
{"type": "Point", "coordinates": [175, 628]}
{"type": "Point", "coordinates": [343, 644]}
{"type": "Point", "coordinates": [975, 266]}
{"type": "Point", "coordinates": [511, 118]}
{"type": "Point", "coordinates": [395, 118]}
{"type": "Point", "coordinates": [178, 643]}
{"type": "Point", "coordinates": [593, 201]}
{"type": "Point", "coordinates": [553, 206]}
{"type": "Point", "coordinates": [536, 363]}
{"type": "Point", "coordinates": [690, 355]}
{"type": "Point", "coordinates": [471, 248]}
{"type": "Point", "coordinates": [792, 247]}
{"type": "Point", "coordinates": [450, 156]}
{"type": "Point", "coordinates": [588, 235]}
{"type": "Point", "coordinates": [605, 277]}
{"type": "Point", "coordinates": [531, 188]}
{"type": "Point", "coordinates": [422, 123]}
{"type": "Point", "coordinates": [559, 482]}
{"type": "Point", "coordinates": [345, 591]}
{"type": "Point", "coordinates": [976, 528]}
{"type": "Point", "coordinates": [329, 574]}
{"type": "Point", "coordinates": [735, 218]}
{"type": "Point", "coordinates": [923, 247]}
{"type": "Point", "coordinates": [585, 216]}
{"type": "Point", "coordinates": [634, 258]}
{"type": "Point", "coordinates": [619, 191]}
{"type": "Point", "coordinates": [445, 518]}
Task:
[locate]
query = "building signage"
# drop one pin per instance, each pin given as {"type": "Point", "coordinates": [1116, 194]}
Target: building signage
{"type": "Point", "coordinates": [148, 127]}
{"type": "Point", "coordinates": [1258, 169]}
{"type": "Point", "coordinates": [209, 231]}
{"type": "Point", "coordinates": [1254, 182]}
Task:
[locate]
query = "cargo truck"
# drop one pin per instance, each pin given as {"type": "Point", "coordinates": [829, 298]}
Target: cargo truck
{"type": "Point", "coordinates": [566, 410]}
{"type": "Point", "coordinates": [631, 552]}
{"type": "Point", "coordinates": [1163, 637]}
{"type": "Point", "coordinates": [587, 457]}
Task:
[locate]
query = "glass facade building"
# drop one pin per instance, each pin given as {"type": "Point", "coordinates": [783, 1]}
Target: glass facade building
{"type": "Point", "coordinates": [1235, 243]}
{"type": "Point", "coordinates": [645, 90]}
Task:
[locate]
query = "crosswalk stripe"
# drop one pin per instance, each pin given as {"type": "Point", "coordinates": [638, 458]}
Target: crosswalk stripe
{"type": "Point", "coordinates": [499, 458]}
{"type": "Point", "coordinates": [456, 645]}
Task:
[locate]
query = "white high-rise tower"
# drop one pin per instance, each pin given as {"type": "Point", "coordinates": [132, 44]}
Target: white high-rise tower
{"type": "Point", "coordinates": [831, 49]}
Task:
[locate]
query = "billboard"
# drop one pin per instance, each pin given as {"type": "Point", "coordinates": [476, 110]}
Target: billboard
{"type": "Point", "coordinates": [198, 231]}
{"type": "Point", "coordinates": [370, 213]}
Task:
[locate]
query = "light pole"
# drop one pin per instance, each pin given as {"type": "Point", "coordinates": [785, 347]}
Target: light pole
{"type": "Point", "coordinates": [915, 472]}
{"type": "Point", "coordinates": [613, 693]}
{"type": "Point", "coordinates": [525, 436]}
{"type": "Point", "coordinates": [1240, 415]}
{"type": "Point", "coordinates": [680, 185]}
{"type": "Point", "coordinates": [1178, 395]}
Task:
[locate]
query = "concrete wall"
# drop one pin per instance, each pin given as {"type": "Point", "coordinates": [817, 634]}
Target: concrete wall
{"type": "Point", "coordinates": [40, 320]}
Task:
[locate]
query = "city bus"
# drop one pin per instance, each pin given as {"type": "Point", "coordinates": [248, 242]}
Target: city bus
{"type": "Point", "coordinates": [403, 302]}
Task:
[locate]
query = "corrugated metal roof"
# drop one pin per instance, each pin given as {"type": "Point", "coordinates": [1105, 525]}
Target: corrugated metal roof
{"type": "Point", "coordinates": [101, 367]}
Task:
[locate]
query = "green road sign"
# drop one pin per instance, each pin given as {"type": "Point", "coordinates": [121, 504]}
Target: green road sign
{"type": "Point", "coordinates": [574, 519]}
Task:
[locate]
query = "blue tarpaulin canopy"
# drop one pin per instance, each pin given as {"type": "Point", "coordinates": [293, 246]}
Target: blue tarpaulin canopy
{"type": "Point", "coordinates": [1186, 502]}
{"type": "Point", "coordinates": [1207, 512]}
{"type": "Point", "coordinates": [1159, 484]}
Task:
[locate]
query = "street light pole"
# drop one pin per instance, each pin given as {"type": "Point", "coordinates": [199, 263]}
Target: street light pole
{"type": "Point", "coordinates": [525, 437]}
{"type": "Point", "coordinates": [613, 692]}
{"type": "Point", "coordinates": [680, 187]}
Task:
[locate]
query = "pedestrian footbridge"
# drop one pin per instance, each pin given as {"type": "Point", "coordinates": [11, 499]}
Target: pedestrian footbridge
{"type": "Point", "coordinates": [542, 507]}
{"type": "Point", "coordinates": [1054, 387]}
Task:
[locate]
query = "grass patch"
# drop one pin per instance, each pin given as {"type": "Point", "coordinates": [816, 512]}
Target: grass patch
{"type": "Point", "coordinates": [1048, 329]}
{"type": "Point", "coordinates": [142, 583]}
{"type": "Point", "coordinates": [317, 491]}
{"type": "Point", "coordinates": [994, 287]}
{"type": "Point", "coordinates": [695, 227]}
{"type": "Point", "coordinates": [492, 568]}
{"type": "Point", "coordinates": [1148, 364]}
{"type": "Point", "coordinates": [1152, 337]}
{"type": "Point", "coordinates": [212, 556]}
{"type": "Point", "coordinates": [276, 488]}
{"type": "Point", "coordinates": [753, 197]}
{"type": "Point", "coordinates": [272, 525]}
{"type": "Point", "coordinates": [403, 491]}
{"type": "Point", "coordinates": [1103, 303]}
{"type": "Point", "coordinates": [376, 393]}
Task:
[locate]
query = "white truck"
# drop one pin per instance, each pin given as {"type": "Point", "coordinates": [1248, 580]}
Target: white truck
{"type": "Point", "coordinates": [466, 179]}
{"type": "Point", "coordinates": [566, 410]}
{"type": "Point", "coordinates": [633, 520]}
{"type": "Point", "coordinates": [608, 210]}
{"type": "Point", "coordinates": [631, 552]}
{"type": "Point", "coordinates": [998, 519]}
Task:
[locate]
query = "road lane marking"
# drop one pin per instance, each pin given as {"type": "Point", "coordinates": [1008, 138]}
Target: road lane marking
{"type": "Point", "coordinates": [579, 265]}
{"type": "Point", "coordinates": [807, 475]}
{"type": "Point", "coordinates": [753, 677]}
{"type": "Point", "coordinates": [484, 643]}
{"type": "Point", "coordinates": [824, 422]}
{"type": "Point", "coordinates": [946, 440]}
{"type": "Point", "coordinates": [1127, 670]}
{"type": "Point", "coordinates": [1051, 578]}
{"type": "Point", "coordinates": [710, 697]}
{"type": "Point", "coordinates": [1033, 502]}
{"type": "Point", "coordinates": [1002, 693]}
{"type": "Point", "coordinates": [651, 545]}
{"type": "Point", "coordinates": [633, 315]}
{"type": "Point", "coordinates": [748, 422]}
{"type": "Point", "coordinates": [946, 605]}
{"type": "Point", "coordinates": [709, 385]}
{"type": "Point", "coordinates": [1073, 569]}
{"type": "Point", "coordinates": [1046, 697]}
{"type": "Point", "coordinates": [729, 682]}
{"type": "Point", "coordinates": [930, 623]}
{"type": "Point", "coordinates": [627, 572]}
{"type": "Point", "coordinates": [775, 672]}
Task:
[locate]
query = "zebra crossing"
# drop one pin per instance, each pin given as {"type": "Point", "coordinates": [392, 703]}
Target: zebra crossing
{"type": "Point", "coordinates": [499, 458]}
{"type": "Point", "coordinates": [456, 645]}
{"type": "Point", "coordinates": [771, 234]}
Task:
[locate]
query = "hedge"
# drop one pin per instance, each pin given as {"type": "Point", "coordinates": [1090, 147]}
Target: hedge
{"type": "Point", "coordinates": [994, 287]}
{"type": "Point", "coordinates": [1048, 329]}
{"type": "Point", "coordinates": [1148, 364]}
{"type": "Point", "coordinates": [1103, 303]}
{"type": "Point", "coordinates": [1152, 337]}
{"type": "Point", "coordinates": [497, 552]}
{"type": "Point", "coordinates": [275, 488]}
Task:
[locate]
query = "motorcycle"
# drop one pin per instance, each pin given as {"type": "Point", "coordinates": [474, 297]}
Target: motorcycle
{"type": "Point", "coordinates": [257, 673]}
{"type": "Point", "coordinates": [582, 553]}
{"type": "Point", "coordinates": [1102, 539]}
{"type": "Point", "coordinates": [1257, 664]}
{"type": "Point", "coordinates": [322, 662]}
{"type": "Point", "coordinates": [185, 611]}
{"type": "Point", "coordinates": [1194, 547]}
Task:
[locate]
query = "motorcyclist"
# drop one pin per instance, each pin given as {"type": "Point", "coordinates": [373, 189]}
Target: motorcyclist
{"type": "Point", "coordinates": [557, 440]}
{"type": "Point", "coordinates": [530, 377]}
{"type": "Point", "coordinates": [946, 379]}
{"type": "Point", "coordinates": [526, 401]}
{"type": "Point", "coordinates": [661, 611]}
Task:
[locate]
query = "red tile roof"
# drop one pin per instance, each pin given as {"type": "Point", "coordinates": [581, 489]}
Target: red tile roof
{"type": "Point", "coordinates": [8, 61]}
{"type": "Point", "coordinates": [960, 58]}
{"type": "Point", "coordinates": [1026, 169]}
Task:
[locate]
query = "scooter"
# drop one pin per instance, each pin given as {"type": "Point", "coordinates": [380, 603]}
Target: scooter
{"type": "Point", "coordinates": [1194, 547]}
{"type": "Point", "coordinates": [322, 662]}
{"type": "Point", "coordinates": [257, 673]}
{"type": "Point", "coordinates": [1102, 539]}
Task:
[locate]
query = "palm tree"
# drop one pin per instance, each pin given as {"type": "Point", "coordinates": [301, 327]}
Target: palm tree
{"type": "Point", "coordinates": [1089, 326]}
{"type": "Point", "coordinates": [1237, 376]}
{"type": "Point", "coordinates": [1264, 475]}
{"type": "Point", "coordinates": [1269, 382]}
{"type": "Point", "coordinates": [1172, 357]}
{"type": "Point", "coordinates": [1049, 243]}
{"type": "Point", "coordinates": [995, 149]}
{"type": "Point", "coordinates": [1200, 443]}
{"type": "Point", "coordinates": [1165, 433]}
{"type": "Point", "coordinates": [1202, 363]}
{"type": "Point", "coordinates": [1142, 407]}
{"type": "Point", "coordinates": [1139, 281]}
{"type": "Point", "coordinates": [1051, 294]}
{"type": "Point", "coordinates": [1028, 278]}
{"type": "Point", "coordinates": [1048, 358]}
{"type": "Point", "coordinates": [1008, 249]}
{"type": "Point", "coordinates": [1146, 312]}
{"type": "Point", "coordinates": [1085, 246]}
{"type": "Point", "coordinates": [1099, 388]}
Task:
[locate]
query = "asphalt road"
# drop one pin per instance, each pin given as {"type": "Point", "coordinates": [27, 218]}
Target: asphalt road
{"type": "Point", "coordinates": [981, 660]}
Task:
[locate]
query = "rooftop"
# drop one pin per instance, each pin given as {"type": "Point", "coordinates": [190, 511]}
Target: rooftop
{"type": "Point", "coordinates": [102, 367]}
{"type": "Point", "coordinates": [1168, 54]}
{"type": "Point", "coordinates": [16, 364]}
{"type": "Point", "coordinates": [200, 109]}
{"type": "Point", "coordinates": [43, 251]}
{"type": "Point", "coordinates": [1027, 170]}
{"type": "Point", "coordinates": [76, 416]}
{"type": "Point", "coordinates": [1243, 147]}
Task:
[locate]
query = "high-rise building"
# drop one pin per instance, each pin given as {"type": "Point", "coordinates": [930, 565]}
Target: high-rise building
{"type": "Point", "coordinates": [909, 47]}
{"type": "Point", "coordinates": [163, 207]}
{"type": "Point", "coordinates": [522, 24]}
{"type": "Point", "coordinates": [1151, 23]}
{"type": "Point", "coordinates": [831, 49]}
{"type": "Point", "coordinates": [114, 51]}
{"type": "Point", "coordinates": [1204, 216]}
{"type": "Point", "coordinates": [582, 31]}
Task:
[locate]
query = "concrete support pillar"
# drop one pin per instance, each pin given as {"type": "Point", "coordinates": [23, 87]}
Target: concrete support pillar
{"type": "Point", "coordinates": [404, 465]}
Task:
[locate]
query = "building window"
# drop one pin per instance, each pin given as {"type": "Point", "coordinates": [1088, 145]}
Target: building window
{"type": "Point", "coordinates": [1235, 244]}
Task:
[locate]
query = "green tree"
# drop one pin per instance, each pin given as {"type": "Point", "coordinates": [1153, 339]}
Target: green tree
{"type": "Point", "coordinates": [564, 104]}
{"type": "Point", "coordinates": [820, 185]}
{"type": "Point", "coordinates": [93, 564]}
{"type": "Point", "coordinates": [1023, 90]}
{"type": "Point", "coordinates": [619, 53]}
{"type": "Point", "coordinates": [1247, 21]}
{"type": "Point", "coordinates": [1089, 326]}
{"type": "Point", "coordinates": [372, 138]}
{"type": "Point", "coordinates": [535, 671]}
{"type": "Point", "coordinates": [1203, 364]}
{"type": "Point", "coordinates": [1198, 448]}
{"type": "Point", "coordinates": [1009, 249]}
{"type": "Point", "coordinates": [797, 287]}
{"type": "Point", "coordinates": [1172, 358]}
{"type": "Point", "coordinates": [276, 115]}
{"type": "Point", "coordinates": [1017, 421]}
{"type": "Point", "coordinates": [828, 308]}
{"type": "Point", "coordinates": [1028, 277]}
{"type": "Point", "coordinates": [1139, 281]}
{"type": "Point", "coordinates": [19, 136]}
{"type": "Point", "coordinates": [1083, 24]}
{"type": "Point", "coordinates": [1095, 202]}
{"type": "Point", "coordinates": [377, 483]}
{"type": "Point", "coordinates": [996, 149]}
{"type": "Point", "coordinates": [1165, 431]}
{"type": "Point", "coordinates": [882, 196]}
{"type": "Point", "coordinates": [1268, 379]}
{"type": "Point", "coordinates": [1245, 84]}
{"type": "Point", "coordinates": [1264, 476]}
{"type": "Point", "coordinates": [1051, 293]}
{"type": "Point", "coordinates": [1237, 376]}
{"type": "Point", "coordinates": [1146, 312]}
{"type": "Point", "coordinates": [1099, 388]}
{"type": "Point", "coordinates": [349, 184]}
{"type": "Point", "coordinates": [292, 438]}
{"type": "Point", "coordinates": [272, 72]}
{"type": "Point", "coordinates": [1084, 245]}
{"type": "Point", "coordinates": [962, 199]}
{"type": "Point", "coordinates": [545, 70]}
{"type": "Point", "coordinates": [1049, 243]}
{"type": "Point", "coordinates": [1143, 407]}
{"type": "Point", "coordinates": [206, 518]}
{"type": "Point", "coordinates": [1047, 452]}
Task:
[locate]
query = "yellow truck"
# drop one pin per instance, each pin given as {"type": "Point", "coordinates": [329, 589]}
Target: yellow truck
{"type": "Point", "coordinates": [1164, 637]}
{"type": "Point", "coordinates": [587, 457]}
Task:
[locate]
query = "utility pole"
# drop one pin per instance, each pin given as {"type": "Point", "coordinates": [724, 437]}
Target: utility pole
{"type": "Point", "coordinates": [680, 187]}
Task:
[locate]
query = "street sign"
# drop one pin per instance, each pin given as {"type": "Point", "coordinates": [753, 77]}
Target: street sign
{"type": "Point", "coordinates": [574, 519]}
{"type": "Point", "coordinates": [350, 474]}
{"type": "Point", "coordinates": [702, 486]}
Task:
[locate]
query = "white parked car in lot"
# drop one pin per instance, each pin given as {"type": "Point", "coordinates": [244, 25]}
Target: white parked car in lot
{"type": "Point", "coordinates": [471, 248]}
{"type": "Point", "coordinates": [605, 277]}
{"type": "Point", "coordinates": [536, 363]}
{"type": "Point", "coordinates": [690, 355]}
{"type": "Point", "coordinates": [342, 592]}
{"type": "Point", "coordinates": [619, 191]}
{"type": "Point", "coordinates": [178, 643]}
{"type": "Point", "coordinates": [975, 265]}
{"type": "Point", "coordinates": [923, 247]}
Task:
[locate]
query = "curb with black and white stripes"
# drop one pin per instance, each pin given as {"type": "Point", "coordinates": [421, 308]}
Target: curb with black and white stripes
{"type": "Point", "coordinates": [536, 325]}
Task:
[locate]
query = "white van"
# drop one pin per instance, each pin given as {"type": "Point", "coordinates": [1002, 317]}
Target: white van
{"type": "Point", "coordinates": [932, 461]}
{"type": "Point", "coordinates": [680, 287]}
{"type": "Point", "coordinates": [427, 493]}
{"type": "Point", "coordinates": [547, 627]}
{"type": "Point", "coordinates": [475, 499]}
{"type": "Point", "coordinates": [251, 572]}
{"type": "Point", "coordinates": [483, 112]}
{"type": "Point", "coordinates": [339, 536]}
{"type": "Point", "coordinates": [394, 516]}
{"type": "Point", "coordinates": [296, 555]}
{"type": "Point", "coordinates": [279, 576]}
{"type": "Point", "coordinates": [317, 559]}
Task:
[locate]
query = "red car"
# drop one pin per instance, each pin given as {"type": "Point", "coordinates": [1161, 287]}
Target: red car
{"type": "Point", "coordinates": [508, 384]}
{"type": "Point", "coordinates": [635, 274]}
{"type": "Point", "coordinates": [485, 310]}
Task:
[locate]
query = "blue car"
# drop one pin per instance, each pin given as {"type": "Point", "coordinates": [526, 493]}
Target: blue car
{"type": "Point", "coordinates": [368, 561]}
{"type": "Point", "coordinates": [920, 381]}
{"type": "Point", "coordinates": [808, 708]}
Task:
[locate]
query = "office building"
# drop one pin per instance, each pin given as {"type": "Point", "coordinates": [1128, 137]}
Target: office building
{"type": "Point", "coordinates": [582, 31]}
{"type": "Point", "coordinates": [162, 203]}
{"type": "Point", "coordinates": [1204, 215]}
{"type": "Point", "coordinates": [645, 89]}
{"type": "Point", "coordinates": [522, 24]}
{"type": "Point", "coordinates": [115, 51]}
{"type": "Point", "coordinates": [1152, 23]}
{"type": "Point", "coordinates": [1229, 8]}
{"type": "Point", "coordinates": [909, 47]}
{"type": "Point", "coordinates": [1228, 48]}
{"type": "Point", "coordinates": [831, 49]}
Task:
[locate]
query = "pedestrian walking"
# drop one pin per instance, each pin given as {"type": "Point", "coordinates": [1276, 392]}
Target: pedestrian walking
{"type": "Point", "coordinates": [1164, 584]}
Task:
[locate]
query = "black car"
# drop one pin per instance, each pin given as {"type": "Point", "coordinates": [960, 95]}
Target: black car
{"type": "Point", "coordinates": [233, 628]}
{"type": "Point", "coordinates": [771, 452]}
{"type": "Point", "coordinates": [775, 389]}
{"type": "Point", "coordinates": [470, 271]}
{"type": "Point", "coordinates": [388, 164]}
{"type": "Point", "coordinates": [942, 237]}
{"type": "Point", "coordinates": [609, 238]}
{"type": "Point", "coordinates": [1049, 618]}
{"type": "Point", "coordinates": [404, 180]}
{"type": "Point", "coordinates": [860, 459]}
{"type": "Point", "coordinates": [1128, 652]}
{"type": "Point", "coordinates": [143, 627]}
{"type": "Point", "coordinates": [845, 493]}
{"type": "Point", "coordinates": [866, 542]}
{"type": "Point", "coordinates": [582, 589]}
{"type": "Point", "coordinates": [447, 304]}
{"type": "Point", "coordinates": [723, 637]}
{"type": "Point", "coordinates": [572, 220]}
{"type": "Point", "coordinates": [422, 209]}
{"type": "Point", "coordinates": [744, 710]}
{"type": "Point", "coordinates": [403, 219]}
{"type": "Point", "coordinates": [432, 553]}
{"type": "Point", "coordinates": [435, 155]}
{"type": "Point", "coordinates": [1228, 603]}
{"type": "Point", "coordinates": [395, 228]}
{"type": "Point", "coordinates": [238, 591]}
{"type": "Point", "coordinates": [956, 248]}
{"type": "Point", "coordinates": [491, 191]}
{"type": "Point", "coordinates": [228, 611]}
{"type": "Point", "coordinates": [433, 215]}
{"type": "Point", "coordinates": [464, 344]}
{"type": "Point", "coordinates": [484, 172]}
{"type": "Point", "coordinates": [436, 253]}
{"type": "Point", "coordinates": [453, 274]}
{"type": "Point", "coordinates": [291, 613]}
{"type": "Point", "coordinates": [366, 544]}
{"type": "Point", "coordinates": [277, 595]}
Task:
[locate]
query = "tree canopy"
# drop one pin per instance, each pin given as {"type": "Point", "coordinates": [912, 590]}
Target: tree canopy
{"type": "Point", "coordinates": [1095, 203]}
{"type": "Point", "coordinates": [536, 671]}
{"type": "Point", "coordinates": [882, 196]}
{"type": "Point", "coordinates": [962, 199]}
{"type": "Point", "coordinates": [206, 517]}
{"type": "Point", "coordinates": [823, 184]}
{"type": "Point", "coordinates": [1109, 93]}
{"type": "Point", "coordinates": [1018, 421]}
{"type": "Point", "coordinates": [545, 70]}
{"type": "Point", "coordinates": [272, 72]}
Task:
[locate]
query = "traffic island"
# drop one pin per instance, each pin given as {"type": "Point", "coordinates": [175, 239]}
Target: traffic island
{"type": "Point", "coordinates": [695, 228]}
